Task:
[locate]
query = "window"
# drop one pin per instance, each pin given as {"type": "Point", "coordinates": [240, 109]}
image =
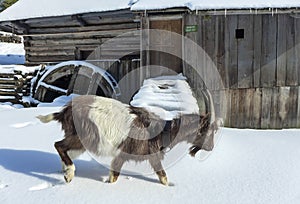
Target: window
{"type": "Point", "coordinates": [239, 33]}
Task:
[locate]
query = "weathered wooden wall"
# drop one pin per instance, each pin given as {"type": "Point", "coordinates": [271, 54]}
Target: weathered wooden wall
{"type": "Point", "coordinates": [260, 72]}
{"type": "Point", "coordinates": [74, 37]}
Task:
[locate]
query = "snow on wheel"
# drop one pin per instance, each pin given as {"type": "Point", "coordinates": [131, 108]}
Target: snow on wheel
{"type": "Point", "coordinates": [77, 77]}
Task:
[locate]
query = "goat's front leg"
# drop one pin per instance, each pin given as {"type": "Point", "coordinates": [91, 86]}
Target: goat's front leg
{"type": "Point", "coordinates": [158, 168]}
{"type": "Point", "coordinates": [115, 169]}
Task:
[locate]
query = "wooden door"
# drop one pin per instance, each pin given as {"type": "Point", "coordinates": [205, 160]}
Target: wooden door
{"type": "Point", "coordinates": [170, 45]}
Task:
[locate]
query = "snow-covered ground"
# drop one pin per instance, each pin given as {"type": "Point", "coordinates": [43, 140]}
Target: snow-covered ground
{"type": "Point", "coordinates": [12, 53]}
{"type": "Point", "coordinates": [246, 166]}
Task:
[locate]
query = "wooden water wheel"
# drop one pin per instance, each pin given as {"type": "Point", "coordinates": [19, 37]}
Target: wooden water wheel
{"type": "Point", "coordinates": [77, 77]}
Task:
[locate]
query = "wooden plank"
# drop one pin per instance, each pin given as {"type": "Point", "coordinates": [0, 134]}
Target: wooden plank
{"type": "Point", "coordinates": [220, 51]}
{"type": "Point", "coordinates": [268, 59]}
{"type": "Point", "coordinates": [231, 50]}
{"type": "Point", "coordinates": [209, 35]}
{"type": "Point", "coordinates": [65, 21]}
{"type": "Point", "coordinates": [257, 38]}
{"type": "Point", "coordinates": [227, 108]}
{"type": "Point", "coordinates": [256, 108]}
{"type": "Point", "coordinates": [245, 52]}
{"type": "Point", "coordinates": [49, 53]}
{"type": "Point", "coordinates": [122, 33]}
{"type": "Point", "coordinates": [57, 58]}
{"type": "Point", "coordinates": [266, 106]}
{"type": "Point", "coordinates": [292, 107]}
{"type": "Point", "coordinates": [297, 44]}
{"type": "Point", "coordinates": [7, 86]}
{"type": "Point", "coordinates": [234, 109]}
{"type": "Point", "coordinates": [284, 93]}
{"type": "Point", "coordinates": [49, 30]}
{"type": "Point", "coordinates": [61, 42]}
{"type": "Point", "coordinates": [281, 50]}
{"type": "Point", "coordinates": [292, 58]}
{"type": "Point", "coordinates": [189, 59]}
{"type": "Point", "coordinates": [298, 112]}
{"type": "Point", "coordinates": [8, 93]}
{"type": "Point", "coordinates": [201, 55]}
{"type": "Point", "coordinates": [242, 113]}
{"type": "Point", "coordinates": [274, 117]}
{"type": "Point", "coordinates": [248, 96]}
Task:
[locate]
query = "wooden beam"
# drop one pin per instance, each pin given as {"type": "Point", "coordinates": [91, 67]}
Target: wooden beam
{"type": "Point", "coordinates": [79, 19]}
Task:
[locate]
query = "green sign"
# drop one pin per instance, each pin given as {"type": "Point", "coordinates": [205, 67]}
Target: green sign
{"type": "Point", "coordinates": [191, 28]}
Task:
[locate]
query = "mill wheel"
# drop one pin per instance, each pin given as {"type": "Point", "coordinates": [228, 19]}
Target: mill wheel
{"type": "Point", "coordinates": [76, 77]}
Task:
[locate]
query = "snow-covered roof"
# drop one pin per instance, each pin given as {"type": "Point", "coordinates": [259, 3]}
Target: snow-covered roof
{"type": "Point", "coordinates": [25, 9]}
{"type": "Point", "coordinates": [215, 4]}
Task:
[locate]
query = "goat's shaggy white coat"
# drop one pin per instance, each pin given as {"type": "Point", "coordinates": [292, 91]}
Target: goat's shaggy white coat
{"type": "Point", "coordinates": [113, 122]}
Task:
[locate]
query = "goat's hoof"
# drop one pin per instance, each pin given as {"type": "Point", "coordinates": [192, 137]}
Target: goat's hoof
{"type": "Point", "coordinates": [112, 179]}
{"type": "Point", "coordinates": [164, 180]}
{"type": "Point", "coordinates": [68, 178]}
{"type": "Point", "coordinates": [69, 173]}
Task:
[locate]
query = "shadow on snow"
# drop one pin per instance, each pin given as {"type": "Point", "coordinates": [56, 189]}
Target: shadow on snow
{"type": "Point", "coordinates": [43, 165]}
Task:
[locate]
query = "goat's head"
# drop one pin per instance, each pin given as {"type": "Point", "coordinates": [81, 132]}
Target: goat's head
{"type": "Point", "coordinates": [204, 139]}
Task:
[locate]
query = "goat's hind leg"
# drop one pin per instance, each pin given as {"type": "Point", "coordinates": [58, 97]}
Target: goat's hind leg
{"type": "Point", "coordinates": [64, 147]}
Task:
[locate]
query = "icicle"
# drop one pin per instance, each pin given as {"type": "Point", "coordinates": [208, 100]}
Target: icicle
{"type": "Point", "coordinates": [276, 11]}
{"type": "Point", "coordinates": [272, 12]}
{"type": "Point", "coordinates": [225, 13]}
{"type": "Point", "coordinates": [250, 10]}
{"type": "Point", "coordinates": [196, 11]}
{"type": "Point", "coordinates": [256, 12]}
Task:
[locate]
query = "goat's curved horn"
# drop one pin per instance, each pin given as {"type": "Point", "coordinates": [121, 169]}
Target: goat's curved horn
{"type": "Point", "coordinates": [209, 103]}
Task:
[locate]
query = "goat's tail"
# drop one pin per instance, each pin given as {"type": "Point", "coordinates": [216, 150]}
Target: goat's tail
{"type": "Point", "coordinates": [47, 118]}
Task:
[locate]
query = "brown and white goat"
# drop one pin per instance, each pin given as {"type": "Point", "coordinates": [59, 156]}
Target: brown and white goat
{"type": "Point", "coordinates": [107, 127]}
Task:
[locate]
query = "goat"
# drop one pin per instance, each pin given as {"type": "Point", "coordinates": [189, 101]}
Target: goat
{"type": "Point", "coordinates": [107, 127]}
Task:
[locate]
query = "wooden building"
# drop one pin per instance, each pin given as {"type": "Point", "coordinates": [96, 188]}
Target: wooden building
{"type": "Point", "coordinates": [247, 55]}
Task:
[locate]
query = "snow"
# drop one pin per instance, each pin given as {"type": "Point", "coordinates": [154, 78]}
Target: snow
{"type": "Point", "coordinates": [12, 53]}
{"type": "Point", "coordinates": [246, 166]}
{"type": "Point", "coordinates": [167, 97]}
{"type": "Point", "coordinates": [59, 101]}
{"type": "Point", "coordinates": [9, 69]}
{"type": "Point", "coordinates": [23, 9]}
{"type": "Point", "coordinates": [215, 4]}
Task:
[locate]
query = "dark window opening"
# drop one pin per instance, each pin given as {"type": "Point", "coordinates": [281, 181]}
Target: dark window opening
{"type": "Point", "coordinates": [82, 54]}
{"type": "Point", "coordinates": [239, 34]}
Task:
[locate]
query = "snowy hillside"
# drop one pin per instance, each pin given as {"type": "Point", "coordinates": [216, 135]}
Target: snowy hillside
{"type": "Point", "coordinates": [246, 166]}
